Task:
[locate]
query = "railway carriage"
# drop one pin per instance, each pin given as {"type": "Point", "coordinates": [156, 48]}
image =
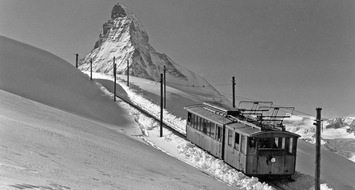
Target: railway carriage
{"type": "Point", "coordinates": [254, 146]}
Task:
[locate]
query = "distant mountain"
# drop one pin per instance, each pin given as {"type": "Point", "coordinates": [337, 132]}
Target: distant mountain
{"type": "Point", "coordinates": [346, 122]}
{"type": "Point", "coordinates": [124, 38]}
{"type": "Point", "coordinates": [338, 135]}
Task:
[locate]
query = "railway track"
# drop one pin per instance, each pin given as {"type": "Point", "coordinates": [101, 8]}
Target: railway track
{"type": "Point", "coordinates": [165, 125]}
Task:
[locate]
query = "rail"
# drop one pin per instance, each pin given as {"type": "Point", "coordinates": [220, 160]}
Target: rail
{"type": "Point", "coordinates": [165, 125]}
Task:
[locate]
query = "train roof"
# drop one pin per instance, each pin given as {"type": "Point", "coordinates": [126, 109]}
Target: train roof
{"type": "Point", "coordinates": [221, 116]}
{"type": "Point", "coordinates": [203, 112]}
{"type": "Point", "coordinates": [251, 131]}
{"type": "Point", "coordinates": [244, 129]}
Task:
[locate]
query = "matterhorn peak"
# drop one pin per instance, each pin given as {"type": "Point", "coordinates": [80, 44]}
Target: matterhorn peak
{"type": "Point", "coordinates": [118, 11]}
{"type": "Point", "coordinates": [123, 38]}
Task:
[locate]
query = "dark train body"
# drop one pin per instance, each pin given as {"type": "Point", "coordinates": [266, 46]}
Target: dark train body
{"type": "Point", "coordinates": [255, 147]}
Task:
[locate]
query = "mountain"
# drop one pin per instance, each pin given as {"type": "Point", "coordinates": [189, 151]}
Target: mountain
{"type": "Point", "coordinates": [124, 38]}
{"type": "Point", "coordinates": [338, 135]}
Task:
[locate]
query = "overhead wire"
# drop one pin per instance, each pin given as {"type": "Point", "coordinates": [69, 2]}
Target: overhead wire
{"type": "Point", "coordinates": [245, 98]}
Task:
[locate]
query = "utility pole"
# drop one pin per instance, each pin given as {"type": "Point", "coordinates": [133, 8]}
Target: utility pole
{"type": "Point", "coordinates": [161, 105]}
{"type": "Point", "coordinates": [318, 136]}
{"type": "Point", "coordinates": [114, 75]}
{"type": "Point", "coordinates": [76, 62]}
{"type": "Point", "coordinates": [233, 89]}
{"type": "Point", "coordinates": [127, 73]}
{"type": "Point", "coordinates": [164, 86]}
{"type": "Point", "coordinates": [91, 69]}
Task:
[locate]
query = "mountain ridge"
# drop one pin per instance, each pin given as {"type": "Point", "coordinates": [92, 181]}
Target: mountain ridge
{"type": "Point", "coordinates": [124, 38]}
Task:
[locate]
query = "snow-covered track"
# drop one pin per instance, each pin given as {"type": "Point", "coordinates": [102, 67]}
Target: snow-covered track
{"type": "Point", "coordinates": [165, 125]}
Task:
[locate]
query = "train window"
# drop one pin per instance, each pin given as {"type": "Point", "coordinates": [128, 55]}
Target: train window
{"type": "Point", "coordinates": [194, 118]}
{"type": "Point", "coordinates": [189, 118]}
{"type": "Point", "coordinates": [236, 141]}
{"type": "Point", "coordinates": [213, 128]}
{"type": "Point", "coordinates": [204, 126]}
{"type": "Point", "coordinates": [252, 145]}
{"type": "Point", "coordinates": [265, 143]}
{"type": "Point", "coordinates": [208, 124]}
{"type": "Point", "coordinates": [242, 144]}
{"type": "Point", "coordinates": [290, 147]}
{"type": "Point", "coordinates": [219, 133]}
{"type": "Point", "coordinates": [199, 124]}
{"type": "Point", "coordinates": [278, 144]}
{"type": "Point", "coordinates": [230, 137]}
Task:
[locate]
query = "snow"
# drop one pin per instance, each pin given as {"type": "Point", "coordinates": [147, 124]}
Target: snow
{"type": "Point", "coordinates": [337, 133]}
{"type": "Point", "coordinates": [352, 158]}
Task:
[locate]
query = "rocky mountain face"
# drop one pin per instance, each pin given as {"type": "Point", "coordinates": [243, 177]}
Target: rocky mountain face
{"type": "Point", "coordinates": [346, 122]}
{"type": "Point", "coordinates": [124, 38]}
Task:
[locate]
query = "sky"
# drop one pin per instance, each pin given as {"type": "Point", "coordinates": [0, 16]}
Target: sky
{"type": "Point", "coordinates": [297, 53]}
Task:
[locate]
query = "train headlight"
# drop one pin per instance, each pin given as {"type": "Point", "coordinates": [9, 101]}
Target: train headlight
{"type": "Point", "coordinates": [273, 160]}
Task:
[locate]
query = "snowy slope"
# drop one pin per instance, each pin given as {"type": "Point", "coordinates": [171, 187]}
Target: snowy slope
{"type": "Point", "coordinates": [46, 148]}
{"type": "Point", "coordinates": [43, 77]}
{"type": "Point", "coordinates": [124, 38]}
{"type": "Point", "coordinates": [53, 133]}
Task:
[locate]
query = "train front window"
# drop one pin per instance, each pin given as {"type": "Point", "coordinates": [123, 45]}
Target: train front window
{"type": "Point", "coordinates": [236, 141]}
{"type": "Point", "coordinates": [290, 147]}
{"type": "Point", "coordinates": [277, 143]}
{"type": "Point", "coordinates": [252, 145]}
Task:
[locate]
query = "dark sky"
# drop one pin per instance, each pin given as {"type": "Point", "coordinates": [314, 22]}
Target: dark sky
{"type": "Point", "coordinates": [294, 52]}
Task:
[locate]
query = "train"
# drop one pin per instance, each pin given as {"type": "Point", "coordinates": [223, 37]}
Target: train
{"type": "Point", "coordinates": [251, 138]}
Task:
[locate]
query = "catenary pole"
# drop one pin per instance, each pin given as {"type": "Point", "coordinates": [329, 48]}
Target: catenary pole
{"type": "Point", "coordinates": [76, 60]}
{"type": "Point", "coordinates": [164, 86]}
{"type": "Point", "coordinates": [233, 89]}
{"type": "Point", "coordinates": [318, 137]}
{"type": "Point", "coordinates": [91, 69]}
{"type": "Point", "coordinates": [127, 73]}
{"type": "Point", "coordinates": [161, 105]}
{"type": "Point", "coordinates": [114, 75]}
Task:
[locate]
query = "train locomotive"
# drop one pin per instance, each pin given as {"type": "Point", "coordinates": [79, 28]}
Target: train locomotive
{"type": "Point", "coordinates": [252, 140]}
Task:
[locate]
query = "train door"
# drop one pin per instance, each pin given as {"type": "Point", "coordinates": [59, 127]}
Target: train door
{"type": "Point", "coordinates": [229, 154]}
{"type": "Point", "coordinates": [242, 153]}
